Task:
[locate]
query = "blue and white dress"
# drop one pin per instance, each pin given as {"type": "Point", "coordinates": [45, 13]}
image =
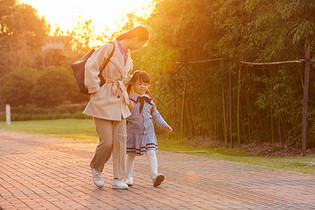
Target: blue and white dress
{"type": "Point", "coordinates": [140, 129]}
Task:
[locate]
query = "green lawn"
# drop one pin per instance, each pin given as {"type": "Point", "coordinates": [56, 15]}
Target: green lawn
{"type": "Point", "coordinates": [69, 128]}
{"type": "Point", "coordinates": [300, 164]}
{"type": "Point", "coordinates": [85, 130]}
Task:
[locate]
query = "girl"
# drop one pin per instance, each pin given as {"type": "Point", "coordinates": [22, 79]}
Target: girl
{"type": "Point", "coordinates": [140, 131]}
{"type": "Point", "coordinates": [108, 104]}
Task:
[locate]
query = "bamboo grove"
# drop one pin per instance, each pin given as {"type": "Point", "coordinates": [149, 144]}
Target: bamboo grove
{"type": "Point", "coordinates": [266, 100]}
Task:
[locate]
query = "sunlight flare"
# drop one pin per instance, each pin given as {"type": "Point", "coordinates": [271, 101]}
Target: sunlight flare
{"type": "Point", "coordinates": [104, 14]}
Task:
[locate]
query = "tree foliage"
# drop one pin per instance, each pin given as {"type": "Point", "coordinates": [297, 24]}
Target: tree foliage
{"type": "Point", "coordinates": [266, 101]}
{"type": "Point", "coordinates": [53, 87]}
{"type": "Point", "coordinates": [22, 34]}
{"type": "Point", "coordinates": [18, 86]}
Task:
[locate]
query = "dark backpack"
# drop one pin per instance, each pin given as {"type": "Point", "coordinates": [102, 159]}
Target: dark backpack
{"type": "Point", "coordinates": [79, 70]}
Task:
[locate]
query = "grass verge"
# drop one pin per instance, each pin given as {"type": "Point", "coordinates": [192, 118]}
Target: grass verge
{"type": "Point", "coordinates": [84, 129]}
{"type": "Point", "coordinates": [300, 164]}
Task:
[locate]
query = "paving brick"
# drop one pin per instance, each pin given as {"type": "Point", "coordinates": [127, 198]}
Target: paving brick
{"type": "Point", "coordinates": [40, 172]}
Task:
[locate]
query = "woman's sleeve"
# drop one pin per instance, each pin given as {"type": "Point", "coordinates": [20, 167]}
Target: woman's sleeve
{"type": "Point", "coordinates": [92, 67]}
{"type": "Point", "coordinates": [158, 119]}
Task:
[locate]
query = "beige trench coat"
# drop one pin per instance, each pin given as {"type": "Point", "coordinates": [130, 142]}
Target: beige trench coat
{"type": "Point", "coordinates": [109, 101]}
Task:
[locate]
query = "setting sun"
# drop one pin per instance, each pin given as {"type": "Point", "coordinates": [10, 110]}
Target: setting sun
{"type": "Point", "coordinates": [104, 14]}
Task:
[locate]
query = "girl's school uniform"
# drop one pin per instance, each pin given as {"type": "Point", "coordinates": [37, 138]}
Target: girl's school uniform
{"type": "Point", "coordinates": [140, 129]}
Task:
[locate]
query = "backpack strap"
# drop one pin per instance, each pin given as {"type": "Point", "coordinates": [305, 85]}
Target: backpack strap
{"type": "Point", "coordinates": [106, 60]}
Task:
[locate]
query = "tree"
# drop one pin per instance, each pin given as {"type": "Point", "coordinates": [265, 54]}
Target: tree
{"type": "Point", "coordinates": [17, 88]}
{"type": "Point", "coordinates": [53, 87]}
{"type": "Point", "coordinates": [266, 101]}
{"type": "Point", "coordinates": [82, 36]}
{"type": "Point", "coordinates": [269, 31]}
{"type": "Point", "coordinates": [22, 34]}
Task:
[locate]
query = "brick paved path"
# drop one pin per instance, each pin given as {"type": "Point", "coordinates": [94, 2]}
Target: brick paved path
{"type": "Point", "coordinates": [38, 172]}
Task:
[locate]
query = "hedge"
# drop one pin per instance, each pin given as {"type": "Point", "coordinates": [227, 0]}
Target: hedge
{"type": "Point", "coordinates": [24, 117]}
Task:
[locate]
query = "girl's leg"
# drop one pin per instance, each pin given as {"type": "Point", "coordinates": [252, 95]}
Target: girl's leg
{"type": "Point", "coordinates": [103, 150]}
{"type": "Point", "coordinates": [153, 163]}
{"type": "Point", "coordinates": [129, 168]}
{"type": "Point", "coordinates": [156, 177]}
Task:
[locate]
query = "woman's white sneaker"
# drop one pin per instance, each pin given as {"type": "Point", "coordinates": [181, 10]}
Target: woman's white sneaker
{"type": "Point", "coordinates": [119, 185]}
{"type": "Point", "coordinates": [97, 178]}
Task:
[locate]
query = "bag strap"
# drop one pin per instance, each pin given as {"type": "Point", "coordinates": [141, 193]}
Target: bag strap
{"type": "Point", "coordinates": [106, 60]}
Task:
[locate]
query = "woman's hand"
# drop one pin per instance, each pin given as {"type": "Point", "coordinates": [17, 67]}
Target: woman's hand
{"type": "Point", "coordinates": [168, 129]}
{"type": "Point", "coordinates": [131, 105]}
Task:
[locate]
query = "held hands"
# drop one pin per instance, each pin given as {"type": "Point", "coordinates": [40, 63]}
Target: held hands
{"type": "Point", "coordinates": [168, 129]}
{"type": "Point", "coordinates": [131, 105]}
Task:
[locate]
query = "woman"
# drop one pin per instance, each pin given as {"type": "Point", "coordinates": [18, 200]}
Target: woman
{"type": "Point", "coordinates": [108, 104]}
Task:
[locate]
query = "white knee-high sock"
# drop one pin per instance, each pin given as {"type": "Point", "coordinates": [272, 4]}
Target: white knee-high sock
{"type": "Point", "coordinates": [129, 165]}
{"type": "Point", "coordinates": [153, 162]}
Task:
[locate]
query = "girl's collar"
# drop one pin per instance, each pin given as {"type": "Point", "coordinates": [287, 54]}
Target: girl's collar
{"type": "Point", "coordinates": [139, 95]}
{"type": "Point", "coordinates": [135, 96]}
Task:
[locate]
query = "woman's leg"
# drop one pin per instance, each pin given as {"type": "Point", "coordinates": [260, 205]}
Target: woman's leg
{"type": "Point", "coordinates": [119, 149]}
{"type": "Point", "coordinates": [104, 148]}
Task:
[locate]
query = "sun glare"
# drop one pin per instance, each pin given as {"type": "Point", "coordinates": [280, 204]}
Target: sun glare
{"type": "Point", "coordinates": [104, 14]}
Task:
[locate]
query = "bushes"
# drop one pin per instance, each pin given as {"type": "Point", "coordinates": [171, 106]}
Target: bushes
{"type": "Point", "coordinates": [49, 94]}
{"type": "Point", "coordinates": [33, 109]}
{"type": "Point", "coordinates": [52, 87]}
{"type": "Point", "coordinates": [18, 86]}
{"type": "Point", "coordinates": [24, 117]}
{"type": "Point", "coordinates": [32, 112]}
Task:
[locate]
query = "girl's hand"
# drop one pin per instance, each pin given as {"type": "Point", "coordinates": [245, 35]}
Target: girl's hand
{"type": "Point", "coordinates": [168, 129]}
{"type": "Point", "coordinates": [131, 105]}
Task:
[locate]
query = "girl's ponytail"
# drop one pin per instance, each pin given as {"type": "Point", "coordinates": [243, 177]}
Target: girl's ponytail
{"type": "Point", "coordinates": [153, 104]}
{"type": "Point", "coordinates": [149, 94]}
{"type": "Point", "coordinates": [129, 87]}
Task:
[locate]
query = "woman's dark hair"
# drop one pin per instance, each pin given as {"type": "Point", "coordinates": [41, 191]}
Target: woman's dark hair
{"type": "Point", "coordinates": [141, 32]}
